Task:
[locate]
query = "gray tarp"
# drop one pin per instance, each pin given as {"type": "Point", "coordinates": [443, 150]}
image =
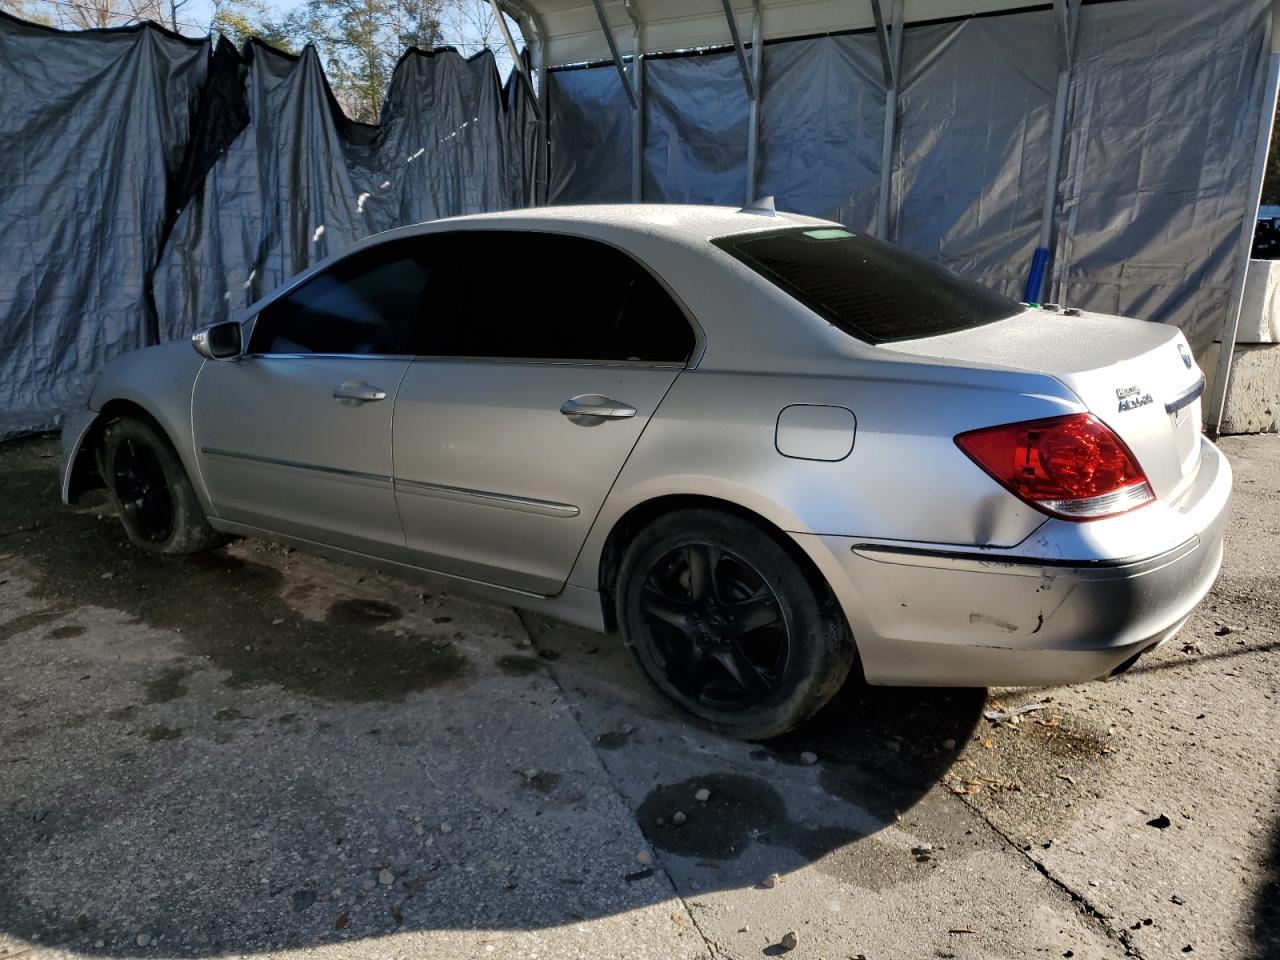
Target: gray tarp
{"type": "Point", "coordinates": [591, 138]}
{"type": "Point", "coordinates": [975, 108]}
{"type": "Point", "coordinates": [695, 121]}
{"type": "Point", "coordinates": [302, 181]}
{"type": "Point", "coordinates": [105, 135]}
{"type": "Point", "coordinates": [93, 130]}
{"type": "Point", "coordinates": [1164, 109]}
{"type": "Point", "coordinates": [1165, 105]}
{"type": "Point", "coordinates": [821, 120]}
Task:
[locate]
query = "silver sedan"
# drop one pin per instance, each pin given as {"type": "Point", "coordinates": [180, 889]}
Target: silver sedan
{"type": "Point", "coordinates": [766, 450]}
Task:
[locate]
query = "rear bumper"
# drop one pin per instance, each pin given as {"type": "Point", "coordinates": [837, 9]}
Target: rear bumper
{"type": "Point", "coordinates": [938, 616]}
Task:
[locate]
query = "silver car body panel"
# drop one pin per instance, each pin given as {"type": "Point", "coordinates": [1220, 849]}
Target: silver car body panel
{"type": "Point", "coordinates": [159, 381]}
{"type": "Point", "coordinates": [537, 477]}
{"type": "Point", "coordinates": [1006, 618]}
{"type": "Point", "coordinates": [279, 451]}
{"type": "Point", "coordinates": [469, 469]}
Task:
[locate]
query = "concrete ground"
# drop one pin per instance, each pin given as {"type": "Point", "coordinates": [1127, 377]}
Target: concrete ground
{"type": "Point", "coordinates": [257, 753]}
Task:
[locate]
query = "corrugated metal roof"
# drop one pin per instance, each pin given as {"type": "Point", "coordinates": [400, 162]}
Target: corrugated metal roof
{"type": "Point", "coordinates": [573, 34]}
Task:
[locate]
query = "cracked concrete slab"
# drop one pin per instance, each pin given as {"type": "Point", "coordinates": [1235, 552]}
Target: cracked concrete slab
{"type": "Point", "coordinates": [1187, 738]}
{"type": "Point", "coordinates": [861, 852]}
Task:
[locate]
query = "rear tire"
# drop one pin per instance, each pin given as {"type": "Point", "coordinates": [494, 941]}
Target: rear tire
{"type": "Point", "coordinates": [725, 622]}
{"type": "Point", "coordinates": [150, 490]}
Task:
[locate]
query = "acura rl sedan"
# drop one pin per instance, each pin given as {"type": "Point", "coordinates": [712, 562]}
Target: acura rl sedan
{"type": "Point", "coordinates": [766, 450]}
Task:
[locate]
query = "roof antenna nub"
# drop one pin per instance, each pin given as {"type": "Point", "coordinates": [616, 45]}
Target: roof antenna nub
{"type": "Point", "coordinates": [762, 206]}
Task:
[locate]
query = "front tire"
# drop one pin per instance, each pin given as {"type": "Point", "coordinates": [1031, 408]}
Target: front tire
{"type": "Point", "coordinates": [726, 623]}
{"type": "Point", "coordinates": [150, 490]}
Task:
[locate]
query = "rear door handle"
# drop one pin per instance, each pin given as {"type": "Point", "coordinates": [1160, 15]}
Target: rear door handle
{"type": "Point", "coordinates": [359, 391]}
{"type": "Point", "coordinates": [596, 406]}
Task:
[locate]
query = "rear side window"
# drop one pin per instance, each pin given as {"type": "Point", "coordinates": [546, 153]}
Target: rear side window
{"type": "Point", "coordinates": [870, 289]}
{"type": "Point", "coordinates": [363, 305]}
{"type": "Point", "coordinates": [518, 295]}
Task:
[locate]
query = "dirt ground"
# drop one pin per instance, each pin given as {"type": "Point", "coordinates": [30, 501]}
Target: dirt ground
{"type": "Point", "coordinates": [256, 752]}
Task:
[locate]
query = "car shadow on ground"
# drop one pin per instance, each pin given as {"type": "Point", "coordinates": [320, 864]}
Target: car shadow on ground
{"type": "Point", "coordinates": [824, 792]}
{"type": "Point", "coordinates": [248, 750]}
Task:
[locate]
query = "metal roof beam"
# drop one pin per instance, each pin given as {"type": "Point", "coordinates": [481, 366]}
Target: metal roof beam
{"type": "Point", "coordinates": [743, 65]}
{"type": "Point", "coordinates": [617, 55]}
{"type": "Point", "coordinates": [530, 93]}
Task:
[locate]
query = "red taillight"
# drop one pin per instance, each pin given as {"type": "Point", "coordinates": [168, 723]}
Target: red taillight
{"type": "Point", "coordinates": [1073, 467]}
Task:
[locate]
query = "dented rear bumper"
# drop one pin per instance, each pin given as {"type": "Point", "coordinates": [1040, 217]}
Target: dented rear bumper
{"type": "Point", "coordinates": [933, 615]}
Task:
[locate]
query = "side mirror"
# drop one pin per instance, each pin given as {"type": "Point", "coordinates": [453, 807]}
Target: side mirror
{"type": "Point", "coordinates": [221, 341]}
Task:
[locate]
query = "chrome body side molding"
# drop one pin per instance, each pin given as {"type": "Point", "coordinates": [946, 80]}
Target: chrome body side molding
{"type": "Point", "coordinates": [543, 508]}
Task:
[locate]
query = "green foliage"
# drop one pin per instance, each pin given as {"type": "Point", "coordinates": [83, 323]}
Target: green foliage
{"type": "Point", "coordinates": [238, 20]}
{"type": "Point", "coordinates": [359, 41]}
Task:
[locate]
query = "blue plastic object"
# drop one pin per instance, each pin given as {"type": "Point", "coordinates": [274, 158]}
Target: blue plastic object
{"type": "Point", "coordinates": [1035, 279]}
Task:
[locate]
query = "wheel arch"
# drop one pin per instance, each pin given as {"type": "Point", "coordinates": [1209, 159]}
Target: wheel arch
{"type": "Point", "coordinates": [642, 514]}
{"type": "Point", "coordinates": [83, 474]}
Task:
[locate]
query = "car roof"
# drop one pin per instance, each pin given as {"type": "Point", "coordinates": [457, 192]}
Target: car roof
{"type": "Point", "coordinates": [674, 220]}
{"type": "Point", "coordinates": [685, 225]}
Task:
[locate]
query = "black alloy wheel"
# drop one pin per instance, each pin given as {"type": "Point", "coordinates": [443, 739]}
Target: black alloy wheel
{"type": "Point", "coordinates": [730, 621]}
{"type": "Point", "coordinates": [142, 490]}
{"type": "Point", "coordinates": [149, 487]}
{"type": "Point", "coordinates": [716, 626]}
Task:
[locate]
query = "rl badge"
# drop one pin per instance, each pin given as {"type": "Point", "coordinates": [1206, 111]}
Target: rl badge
{"type": "Point", "coordinates": [1131, 398]}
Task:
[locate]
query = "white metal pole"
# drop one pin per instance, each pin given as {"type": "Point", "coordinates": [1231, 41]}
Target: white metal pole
{"type": "Point", "coordinates": [1231, 325]}
{"type": "Point", "coordinates": [753, 114]}
{"type": "Point", "coordinates": [891, 53]}
{"type": "Point", "coordinates": [1067, 27]}
{"type": "Point", "coordinates": [637, 108]}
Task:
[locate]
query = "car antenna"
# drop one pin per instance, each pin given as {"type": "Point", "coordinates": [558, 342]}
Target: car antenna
{"type": "Point", "coordinates": [762, 206]}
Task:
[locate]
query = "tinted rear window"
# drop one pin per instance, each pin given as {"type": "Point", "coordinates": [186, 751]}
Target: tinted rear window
{"type": "Point", "coordinates": [870, 289]}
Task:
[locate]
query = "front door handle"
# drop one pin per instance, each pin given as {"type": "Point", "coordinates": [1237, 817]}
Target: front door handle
{"type": "Point", "coordinates": [359, 391]}
{"type": "Point", "coordinates": [592, 407]}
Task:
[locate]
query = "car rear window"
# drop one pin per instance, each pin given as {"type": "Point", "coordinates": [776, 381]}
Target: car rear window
{"type": "Point", "coordinates": [870, 289]}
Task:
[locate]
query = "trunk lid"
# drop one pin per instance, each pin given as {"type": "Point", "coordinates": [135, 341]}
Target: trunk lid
{"type": "Point", "coordinates": [1138, 378]}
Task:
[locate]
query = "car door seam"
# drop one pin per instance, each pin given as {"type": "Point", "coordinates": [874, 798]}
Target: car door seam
{"type": "Point", "coordinates": [395, 499]}
{"type": "Point", "coordinates": [613, 483]}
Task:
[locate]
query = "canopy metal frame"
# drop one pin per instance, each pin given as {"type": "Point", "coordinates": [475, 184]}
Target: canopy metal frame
{"type": "Point", "coordinates": [889, 30]}
{"type": "Point", "coordinates": [536, 94]}
{"type": "Point", "coordinates": [1066, 22]}
{"type": "Point", "coordinates": [632, 80]}
{"type": "Point", "coordinates": [1231, 323]}
{"type": "Point", "coordinates": [889, 38]}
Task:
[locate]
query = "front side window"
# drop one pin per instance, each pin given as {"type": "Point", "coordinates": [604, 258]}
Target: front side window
{"type": "Point", "coordinates": [363, 305]}
{"type": "Point", "coordinates": [872, 290]}
{"type": "Point", "coordinates": [518, 295]}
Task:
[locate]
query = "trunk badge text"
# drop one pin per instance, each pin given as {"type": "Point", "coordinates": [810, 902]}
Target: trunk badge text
{"type": "Point", "coordinates": [1131, 398]}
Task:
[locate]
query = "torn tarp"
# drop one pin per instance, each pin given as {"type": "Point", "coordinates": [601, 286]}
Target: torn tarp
{"type": "Point", "coordinates": [302, 181]}
{"type": "Point", "coordinates": [94, 128]}
{"type": "Point", "coordinates": [105, 136]}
